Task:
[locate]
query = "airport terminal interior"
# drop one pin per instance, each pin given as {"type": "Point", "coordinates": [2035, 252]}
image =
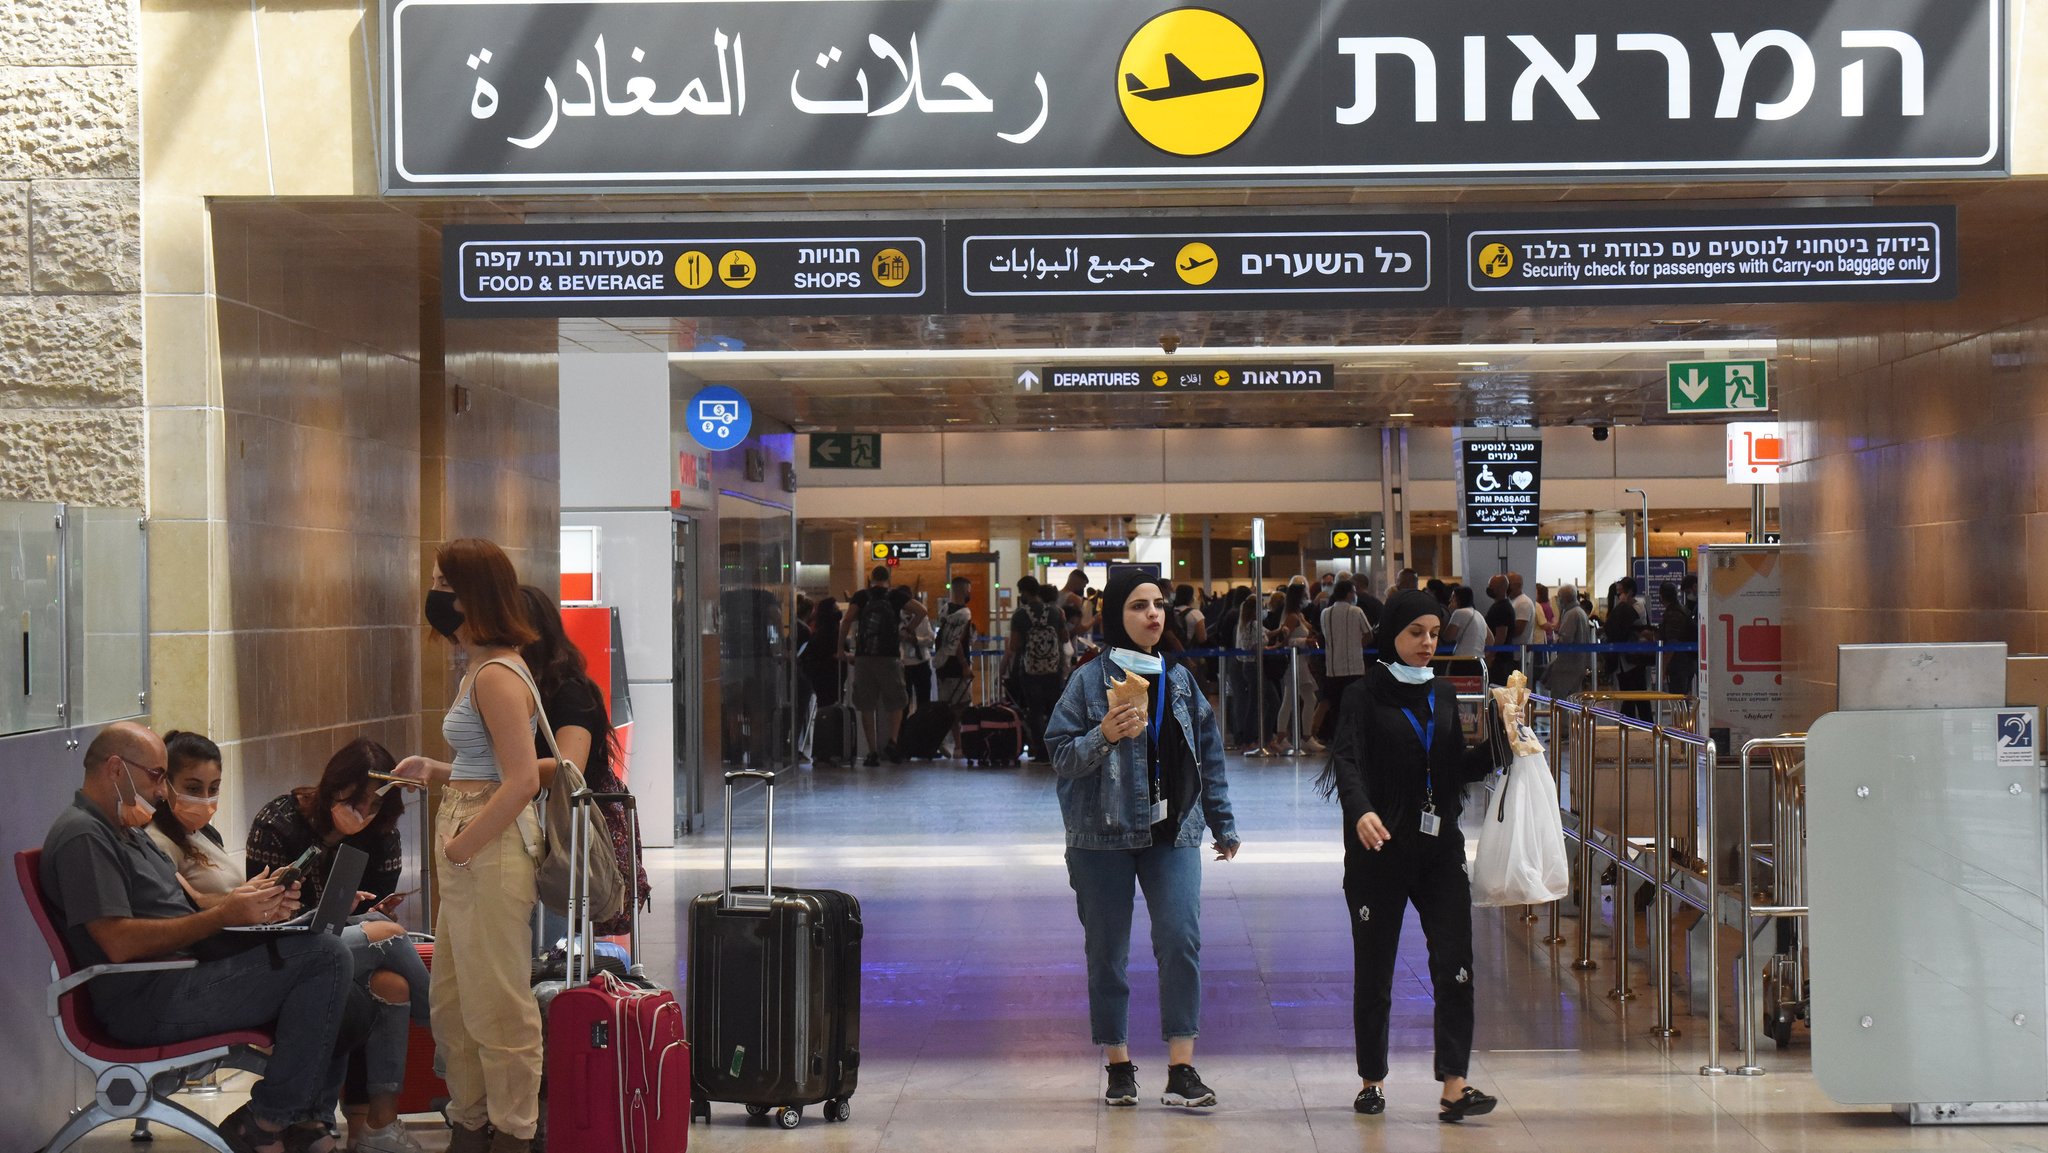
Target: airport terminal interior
{"type": "Point", "coordinates": [1719, 331]}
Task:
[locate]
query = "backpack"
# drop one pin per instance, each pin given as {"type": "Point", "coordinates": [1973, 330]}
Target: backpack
{"type": "Point", "coordinates": [1041, 643]}
{"type": "Point", "coordinates": [876, 634]}
{"type": "Point", "coordinates": [950, 651]}
{"type": "Point", "coordinates": [559, 816]}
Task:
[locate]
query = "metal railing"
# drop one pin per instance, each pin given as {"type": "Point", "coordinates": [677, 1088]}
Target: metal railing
{"type": "Point", "coordinates": [1580, 721]}
{"type": "Point", "coordinates": [1784, 829]}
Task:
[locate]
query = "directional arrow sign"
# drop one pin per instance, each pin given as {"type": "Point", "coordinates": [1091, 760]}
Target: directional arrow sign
{"type": "Point", "coordinates": [1027, 381]}
{"type": "Point", "coordinates": [1717, 386]}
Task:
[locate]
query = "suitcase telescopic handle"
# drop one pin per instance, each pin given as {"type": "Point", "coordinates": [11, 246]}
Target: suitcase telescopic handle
{"type": "Point", "coordinates": [728, 899]}
{"type": "Point", "coordinates": [585, 928]}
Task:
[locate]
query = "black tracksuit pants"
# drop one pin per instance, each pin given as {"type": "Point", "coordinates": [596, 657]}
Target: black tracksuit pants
{"type": "Point", "coordinates": [1378, 887]}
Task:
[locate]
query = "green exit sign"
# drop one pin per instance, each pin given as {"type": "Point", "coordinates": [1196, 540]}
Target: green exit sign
{"type": "Point", "coordinates": [1693, 386]}
{"type": "Point", "coordinates": [846, 450]}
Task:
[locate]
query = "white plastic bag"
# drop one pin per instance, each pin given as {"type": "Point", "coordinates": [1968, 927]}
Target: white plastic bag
{"type": "Point", "coordinates": [1521, 857]}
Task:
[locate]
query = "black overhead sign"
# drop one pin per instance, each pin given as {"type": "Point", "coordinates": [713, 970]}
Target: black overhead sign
{"type": "Point", "coordinates": [1350, 539]}
{"type": "Point", "coordinates": [1191, 378]}
{"type": "Point", "coordinates": [1503, 485]}
{"type": "Point", "coordinates": [1185, 264]}
{"type": "Point", "coordinates": [1707, 257]}
{"type": "Point", "coordinates": [903, 550]}
{"type": "Point", "coordinates": [689, 269]}
{"type": "Point", "coordinates": [667, 96]}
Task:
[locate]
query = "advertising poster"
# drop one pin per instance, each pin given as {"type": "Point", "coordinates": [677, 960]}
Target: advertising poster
{"type": "Point", "coordinates": [1742, 663]}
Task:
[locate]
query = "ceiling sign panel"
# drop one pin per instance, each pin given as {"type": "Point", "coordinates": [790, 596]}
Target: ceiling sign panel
{"type": "Point", "coordinates": [494, 96]}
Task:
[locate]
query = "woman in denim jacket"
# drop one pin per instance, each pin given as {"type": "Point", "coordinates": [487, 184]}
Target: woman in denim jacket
{"type": "Point", "coordinates": [1136, 785]}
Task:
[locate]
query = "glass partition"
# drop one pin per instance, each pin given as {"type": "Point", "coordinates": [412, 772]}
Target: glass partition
{"type": "Point", "coordinates": [107, 555]}
{"type": "Point", "coordinates": [74, 618]}
{"type": "Point", "coordinates": [756, 588]}
{"type": "Point", "coordinates": [31, 617]}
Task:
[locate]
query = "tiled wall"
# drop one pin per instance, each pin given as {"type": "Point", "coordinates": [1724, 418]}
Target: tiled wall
{"type": "Point", "coordinates": [490, 469]}
{"type": "Point", "coordinates": [341, 465]}
{"type": "Point", "coordinates": [1918, 506]}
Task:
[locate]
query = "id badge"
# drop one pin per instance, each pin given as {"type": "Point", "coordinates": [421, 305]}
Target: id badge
{"type": "Point", "coordinates": [1158, 811]}
{"type": "Point", "coordinates": [1431, 823]}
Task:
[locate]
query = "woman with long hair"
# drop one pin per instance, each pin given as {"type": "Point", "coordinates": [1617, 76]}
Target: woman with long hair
{"type": "Point", "coordinates": [348, 806]}
{"type": "Point", "coordinates": [584, 732]}
{"type": "Point", "coordinates": [183, 827]}
{"type": "Point", "coordinates": [1139, 777]}
{"type": "Point", "coordinates": [1399, 766]}
{"type": "Point", "coordinates": [487, 845]}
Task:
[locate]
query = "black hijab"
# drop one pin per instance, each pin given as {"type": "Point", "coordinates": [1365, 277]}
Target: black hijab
{"type": "Point", "coordinates": [1403, 610]}
{"type": "Point", "coordinates": [1122, 584]}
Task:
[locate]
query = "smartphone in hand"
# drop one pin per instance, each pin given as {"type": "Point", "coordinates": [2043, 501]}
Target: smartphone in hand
{"type": "Point", "coordinates": [290, 874]}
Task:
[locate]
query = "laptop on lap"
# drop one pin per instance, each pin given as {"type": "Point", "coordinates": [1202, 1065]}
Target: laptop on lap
{"type": "Point", "coordinates": [337, 899]}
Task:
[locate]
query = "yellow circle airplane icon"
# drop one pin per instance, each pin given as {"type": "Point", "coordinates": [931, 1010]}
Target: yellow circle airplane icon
{"type": "Point", "coordinates": [1191, 82]}
{"type": "Point", "coordinates": [881, 552]}
{"type": "Point", "coordinates": [1196, 264]}
{"type": "Point", "coordinates": [1342, 540]}
{"type": "Point", "coordinates": [1222, 378]}
{"type": "Point", "coordinates": [1159, 378]}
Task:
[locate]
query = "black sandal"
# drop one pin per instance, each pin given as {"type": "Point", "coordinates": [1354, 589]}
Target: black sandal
{"type": "Point", "coordinates": [243, 1135]}
{"type": "Point", "coordinates": [1370, 1101]}
{"type": "Point", "coordinates": [1470, 1103]}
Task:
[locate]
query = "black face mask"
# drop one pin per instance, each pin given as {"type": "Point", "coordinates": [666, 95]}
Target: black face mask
{"type": "Point", "coordinates": [442, 614]}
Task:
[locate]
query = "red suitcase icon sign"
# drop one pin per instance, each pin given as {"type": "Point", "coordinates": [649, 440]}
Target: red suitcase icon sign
{"type": "Point", "coordinates": [1755, 648]}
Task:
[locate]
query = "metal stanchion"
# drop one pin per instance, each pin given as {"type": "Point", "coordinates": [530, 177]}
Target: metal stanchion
{"type": "Point", "coordinates": [1558, 735]}
{"type": "Point", "coordinates": [1624, 901]}
{"type": "Point", "coordinates": [1223, 675]}
{"type": "Point", "coordinates": [1660, 939]}
{"type": "Point", "coordinates": [1589, 882]}
{"type": "Point", "coordinates": [1294, 742]}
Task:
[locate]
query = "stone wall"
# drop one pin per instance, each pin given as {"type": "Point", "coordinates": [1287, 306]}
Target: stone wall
{"type": "Point", "coordinates": [71, 417]}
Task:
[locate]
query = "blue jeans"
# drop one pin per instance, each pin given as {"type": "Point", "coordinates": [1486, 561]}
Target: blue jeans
{"type": "Point", "coordinates": [300, 998]}
{"type": "Point", "coordinates": [384, 1052]}
{"type": "Point", "coordinates": [1104, 895]}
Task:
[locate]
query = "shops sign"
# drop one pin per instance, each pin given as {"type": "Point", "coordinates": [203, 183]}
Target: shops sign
{"type": "Point", "coordinates": [495, 96]}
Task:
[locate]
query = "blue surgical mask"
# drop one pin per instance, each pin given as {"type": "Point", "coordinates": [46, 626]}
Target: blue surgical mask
{"type": "Point", "coordinates": [1409, 674]}
{"type": "Point", "coordinates": [1144, 664]}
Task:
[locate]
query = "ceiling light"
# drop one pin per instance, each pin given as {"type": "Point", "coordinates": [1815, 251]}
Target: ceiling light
{"type": "Point", "coordinates": [1448, 384]}
{"type": "Point", "coordinates": [1474, 363]}
{"type": "Point", "coordinates": [1399, 415]}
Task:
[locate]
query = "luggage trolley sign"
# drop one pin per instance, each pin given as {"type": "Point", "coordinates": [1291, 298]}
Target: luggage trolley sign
{"type": "Point", "coordinates": [688, 270]}
{"type": "Point", "coordinates": [1503, 482]}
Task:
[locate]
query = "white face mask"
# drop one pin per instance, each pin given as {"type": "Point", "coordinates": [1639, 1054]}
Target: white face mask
{"type": "Point", "coordinates": [1409, 674]}
{"type": "Point", "coordinates": [1144, 664]}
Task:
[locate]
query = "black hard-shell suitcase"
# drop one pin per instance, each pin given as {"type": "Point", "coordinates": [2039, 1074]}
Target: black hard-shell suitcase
{"type": "Point", "coordinates": [924, 732]}
{"type": "Point", "coordinates": [774, 991]}
{"type": "Point", "coordinates": [992, 735]}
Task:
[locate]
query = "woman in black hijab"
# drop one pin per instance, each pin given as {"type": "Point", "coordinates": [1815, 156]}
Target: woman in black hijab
{"type": "Point", "coordinates": [1399, 765]}
{"type": "Point", "coordinates": [1138, 782]}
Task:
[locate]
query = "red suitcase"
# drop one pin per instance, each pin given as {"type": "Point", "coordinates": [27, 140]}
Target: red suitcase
{"type": "Point", "coordinates": [423, 1091]}
{"type": "Point", "coordinates": [617, 1069]}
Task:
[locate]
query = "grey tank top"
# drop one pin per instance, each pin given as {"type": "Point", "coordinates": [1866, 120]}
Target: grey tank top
{"type": "Point", "coordinates": [464, 729]}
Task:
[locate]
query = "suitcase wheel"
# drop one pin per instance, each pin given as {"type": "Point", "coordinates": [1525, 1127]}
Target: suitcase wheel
{"type": "Point", "coordinates": [840, 1110]}
{"type": "Point", "coordinates": [791, 1117]}
{"type": "Point", "coordinates": [757, 1110]}
{"type": "Point", "coordinates": [700, 1110]}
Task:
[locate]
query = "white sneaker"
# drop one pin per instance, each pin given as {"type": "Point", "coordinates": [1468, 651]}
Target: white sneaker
{"type": "Point", "coordinates": [391, 1138]}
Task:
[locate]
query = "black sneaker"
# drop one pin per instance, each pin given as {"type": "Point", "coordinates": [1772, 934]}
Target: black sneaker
{"type": "Point", "coordinates": [1185, 1090]}
{"type": "Point", "coordinates": [1123, 1084]}
{"type": "Point", "coordinates": [871, 762]}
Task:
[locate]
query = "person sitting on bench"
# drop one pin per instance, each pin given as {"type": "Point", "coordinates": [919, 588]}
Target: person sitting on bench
{"type": "Point", "coordinates": [118, 900]}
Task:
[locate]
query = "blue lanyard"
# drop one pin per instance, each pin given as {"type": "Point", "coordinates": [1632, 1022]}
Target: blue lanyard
{"type": "Point", "coordinates": [1428, 738]}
